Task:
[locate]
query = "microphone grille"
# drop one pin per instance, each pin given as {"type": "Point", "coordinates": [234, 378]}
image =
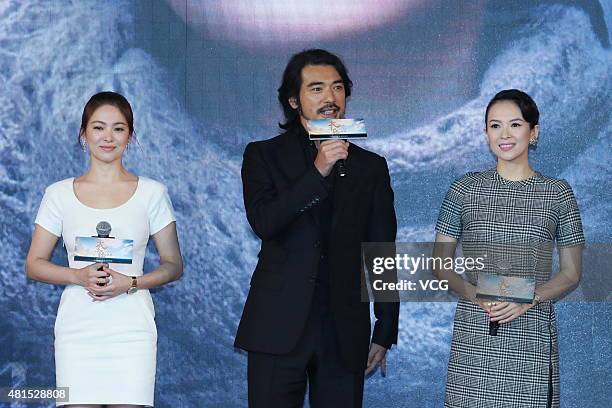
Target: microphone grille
{"type": "Point", "coordinates": [103, 228]}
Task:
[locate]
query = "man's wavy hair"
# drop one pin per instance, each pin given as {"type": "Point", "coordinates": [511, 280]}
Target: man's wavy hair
{"type": "Point", "coordinates": [292, 80]}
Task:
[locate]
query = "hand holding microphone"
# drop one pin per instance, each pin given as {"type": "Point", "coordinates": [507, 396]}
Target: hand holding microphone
{"type": "Point", "coordinates": [100, 281]}
{"type": "Point", "coordinates": [329, 152]}
{"type": "Point", "coordinates": [91, 276]}
{"type": "Point", "coordinates": [331, 136]}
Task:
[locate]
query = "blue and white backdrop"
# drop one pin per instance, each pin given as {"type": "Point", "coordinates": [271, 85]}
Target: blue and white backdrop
{"type": "Point", "coordinates": [202, 78]}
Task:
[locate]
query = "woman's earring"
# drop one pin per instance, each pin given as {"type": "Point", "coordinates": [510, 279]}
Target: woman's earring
{"type": "Point", "coordinates": [533, 142]}
{"type": "Point", "coordinates": [83, 144]}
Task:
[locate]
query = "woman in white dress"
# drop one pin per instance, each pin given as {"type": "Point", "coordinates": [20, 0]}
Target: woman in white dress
{"type": "Point", "coordinates": [105, 333]}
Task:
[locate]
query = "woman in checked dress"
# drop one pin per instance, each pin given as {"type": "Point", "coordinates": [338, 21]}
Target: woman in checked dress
{"type": "Point", "coordinates": [521, 213]}
{"type": "Point", "coordinates": [105, 333]}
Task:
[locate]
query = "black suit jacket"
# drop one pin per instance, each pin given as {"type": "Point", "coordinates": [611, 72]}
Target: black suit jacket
{"type": "Point", "coordinates": [280, 189]}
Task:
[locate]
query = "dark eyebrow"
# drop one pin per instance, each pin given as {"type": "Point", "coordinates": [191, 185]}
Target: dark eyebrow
{"type": "Point", "coordinates": [104, 123]}
{"type": "Point", "coordinates": [313, 84]}
{"type": "Point", "coordinates": [511, 120]}
{"type": "Point", "coordinates": [337, 81]}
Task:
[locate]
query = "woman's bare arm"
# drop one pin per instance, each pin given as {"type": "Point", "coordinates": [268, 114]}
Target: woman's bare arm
{"type": "Point", "coordinates": [171, 261]}
{"type": "Point", "coordinates": [568, 278]}
{"type": "Point", "coordinates": [38, 267]}
{"type": "Point", "coordinates": [445, 247]}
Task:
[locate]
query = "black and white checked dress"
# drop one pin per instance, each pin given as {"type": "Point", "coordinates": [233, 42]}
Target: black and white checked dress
{"type": "Point", "coordinates": [518, 368]}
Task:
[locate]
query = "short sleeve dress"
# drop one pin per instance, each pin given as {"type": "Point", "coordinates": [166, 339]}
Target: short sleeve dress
{"type": "Point", "coordinates": [518, 368]}
{"type": "Point", "coordinates": [105, 352]}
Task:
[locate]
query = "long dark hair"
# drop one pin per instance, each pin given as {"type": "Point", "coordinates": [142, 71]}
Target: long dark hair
{"type": "Point", "coordinates": [292, 79]}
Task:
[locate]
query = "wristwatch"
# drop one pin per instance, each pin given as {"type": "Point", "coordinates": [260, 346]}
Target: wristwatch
{"type": "Point", "coordinates": [134, 287]}
{"type": "Point", "coordinates": [536, 300]}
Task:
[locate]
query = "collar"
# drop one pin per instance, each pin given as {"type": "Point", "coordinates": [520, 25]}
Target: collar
{"type": "Point", "coordinates": [493, 174]}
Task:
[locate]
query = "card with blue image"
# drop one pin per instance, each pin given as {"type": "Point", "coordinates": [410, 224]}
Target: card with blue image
{"type": "Point", "coordinates": [105, 250]}
{"type": "Point", "coordinates": [505, 288]}
{"type": "Point", "coordinates": [329, 129]}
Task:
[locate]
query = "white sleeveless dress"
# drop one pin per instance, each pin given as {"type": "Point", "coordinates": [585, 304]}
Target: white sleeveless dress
{"type": "Point", "coordinates": [105, 352]}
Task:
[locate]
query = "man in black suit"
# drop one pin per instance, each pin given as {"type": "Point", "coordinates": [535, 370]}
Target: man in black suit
{"type": "Point", "coordinates": [304, 321]}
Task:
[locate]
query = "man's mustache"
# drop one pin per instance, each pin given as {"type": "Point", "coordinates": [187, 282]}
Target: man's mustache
{"type": "Point", "coordinates": [329, 106]}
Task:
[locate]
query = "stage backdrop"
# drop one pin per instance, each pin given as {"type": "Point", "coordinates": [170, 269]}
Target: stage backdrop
{"type": "Point", "coordinates": [202, 78]}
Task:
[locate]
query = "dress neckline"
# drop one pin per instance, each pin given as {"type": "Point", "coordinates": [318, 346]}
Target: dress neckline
{"type": "Point", "coordinates": [104, 209]}
{"type": "Point", "coordinates": [525, 182]}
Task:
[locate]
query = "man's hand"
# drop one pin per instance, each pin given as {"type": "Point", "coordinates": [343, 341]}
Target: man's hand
{"type": "Point", "coordinates": [376, 356]}
{"type": "Point", "coordinates": [330, 151]}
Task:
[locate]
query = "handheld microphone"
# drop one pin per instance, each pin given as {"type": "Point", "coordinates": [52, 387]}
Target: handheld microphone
{"type": "Point", "coordinates": [103, 229]}
{"type": "Point", "coordinates": [493, 326]}
{"type": "Point", "coordinates": [504, 267]}
{"type": "Point", "coordinates": [337, 129]}
{"type": "Point", "coordinates": [103, 248]}
{"type": "Point", "coordinates": [340, 168]}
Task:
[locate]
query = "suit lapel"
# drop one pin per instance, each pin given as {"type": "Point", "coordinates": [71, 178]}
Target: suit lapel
{"type": "Point", "coordinates": [290, 156]}
{"type": "Point", "coordinates": [292, 161]}
{"type": "Point", "coordinates": [344, 186]}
